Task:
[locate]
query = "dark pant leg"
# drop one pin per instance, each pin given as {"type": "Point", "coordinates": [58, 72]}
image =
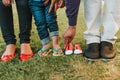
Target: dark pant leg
{"type": "Point", "coordinates": [6, 24]}
{"type": "Point", "coordinates": [51, 21]}
{"type": "Point", "coordinates": [25, 20]}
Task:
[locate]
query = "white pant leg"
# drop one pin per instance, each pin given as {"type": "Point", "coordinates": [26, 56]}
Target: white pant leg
{"type": "Point", "coordinates": [92, 13]}
{"type": "Point", "coordinates": [111, 20]}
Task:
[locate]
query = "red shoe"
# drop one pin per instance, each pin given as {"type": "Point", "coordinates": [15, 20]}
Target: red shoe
{"type": "Point", "coordinates": [77, 49]}
{"type": "Point", "coordinates": [25, 57]}
{"type": "Point", "coordinates": [69, 49]}
{"type": "Point", "coordinates": [6, 58]}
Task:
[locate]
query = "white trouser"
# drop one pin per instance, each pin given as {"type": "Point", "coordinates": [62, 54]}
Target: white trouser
{"type": "Point", "coordinates": [110, 20]}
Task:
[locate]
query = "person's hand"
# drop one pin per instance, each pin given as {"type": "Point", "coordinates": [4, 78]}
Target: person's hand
{"type": "Point", "coordinates": [55, 4]}
{"type": "Point", "coordinates": [69, 34]}
{"type": "Point", "coordinates": [61, 3]}
{"type": "Point", "coordinates": [7, 2]}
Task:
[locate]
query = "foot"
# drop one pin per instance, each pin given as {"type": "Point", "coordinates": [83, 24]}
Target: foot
{"type": "Point", "coordinates": [69, 49]}
{"type": "Point", "coordinates": [77, 49]}
{"type": "Point", "coordinates": [106, 50]}
{"type": "Point", "coordinates": [45, 50]}
{"type": "Point", "coordinates": [26, 48]}
{"type": "Point", "coordinates": [9, 52]}
{"type": "Point", "coordinates": [92, 51]}
{"type": "Point", "coordinates": [26, 52]}
{"type": "Point", "coordinates": [57, 51]}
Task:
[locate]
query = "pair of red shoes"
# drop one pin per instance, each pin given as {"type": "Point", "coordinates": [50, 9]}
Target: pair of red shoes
{"type": "Point", "coordinates": [69, 49]}
{"type": "Point", "coordinates": [23, 57]}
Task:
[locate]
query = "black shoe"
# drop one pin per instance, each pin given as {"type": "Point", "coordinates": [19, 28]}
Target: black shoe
{"type": "Point", "coordinates": [92, 51]}
{"type": "Point", "coordinates": [106, 50]}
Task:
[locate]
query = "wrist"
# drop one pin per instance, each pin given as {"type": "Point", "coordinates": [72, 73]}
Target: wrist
{"type": "Point", "coordinates": [73, 26]}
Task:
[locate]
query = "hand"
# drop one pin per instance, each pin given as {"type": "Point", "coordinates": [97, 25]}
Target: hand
{"type": "Point", "coordinates": [69, 34]}
{"type": "Point", "coordinates": [7, 2]}
{"type": "Point", "coordinates": [61, 4]}
{"type": "Point", "coordinates": [55, 4]}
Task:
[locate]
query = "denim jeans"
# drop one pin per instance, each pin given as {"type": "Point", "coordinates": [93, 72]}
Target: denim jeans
{"type": "Point", "coordinates": [7, 25]}
{"type": "Point", "coordinates": [45, 22]}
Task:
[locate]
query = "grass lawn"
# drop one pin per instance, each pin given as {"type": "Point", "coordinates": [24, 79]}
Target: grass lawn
{"type": "Point", "coordinates": [73, 67]}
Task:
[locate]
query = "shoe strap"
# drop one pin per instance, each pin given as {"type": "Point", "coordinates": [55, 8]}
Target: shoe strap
{"type": "Point", "coordinates": [42, 51]}
{"type": "Point", "coordinates": [56, 50]}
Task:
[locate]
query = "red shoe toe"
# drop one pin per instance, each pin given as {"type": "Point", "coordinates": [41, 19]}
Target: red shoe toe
{"type": "Point", "coordinates": [25, 57]}
{"type": "Point", "coordinates": [6, 58]}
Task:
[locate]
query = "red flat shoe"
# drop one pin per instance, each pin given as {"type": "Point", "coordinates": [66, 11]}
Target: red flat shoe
{"type": "Point", "coordinates": [6, 58]}
{"type": "Point", "coordinates": [25, 57]}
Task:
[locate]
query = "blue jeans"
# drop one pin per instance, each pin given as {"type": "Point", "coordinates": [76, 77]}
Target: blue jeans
{"type": "Point", "coordinates": [45, 22]}
{"type": "Point", "coordinates": [7, 25]}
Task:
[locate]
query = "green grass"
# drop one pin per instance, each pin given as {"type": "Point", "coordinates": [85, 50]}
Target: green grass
{"type": "Point", "coordinates": [74, 67]}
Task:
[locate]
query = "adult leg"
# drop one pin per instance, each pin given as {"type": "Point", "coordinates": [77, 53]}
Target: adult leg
{"type": "Point", "coordinates": [111, 23]}
{"type": "Point", "coordinates": [92, 34]}
{"type": "Point", "coordinates": [6, 24]}
{"type": "Point", "coordinates": [92, 14]}
{"type": "Point", "coordinates": [111, 20]}
{"type": "Point", "coordinates": [25, 21]}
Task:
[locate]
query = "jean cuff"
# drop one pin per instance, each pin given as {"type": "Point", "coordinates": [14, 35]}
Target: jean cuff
{"type": "Point", "coordinates": [54, 33]}
{"type": "Point", "coordinates": [45, 41]}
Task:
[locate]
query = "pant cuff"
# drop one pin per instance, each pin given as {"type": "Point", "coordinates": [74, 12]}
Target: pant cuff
{"type": "Point", "coordinates": [55, 33]}
{"type": "Point", "coordinates": [45, 41]}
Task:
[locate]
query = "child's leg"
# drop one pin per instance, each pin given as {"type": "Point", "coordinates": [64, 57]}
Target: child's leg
{"type": "Point", "coordinates": [37, 9]}
{"type": "Point", "coordinates": [53, 27]}
{"type": "Point", "coordinates": [55, 40]}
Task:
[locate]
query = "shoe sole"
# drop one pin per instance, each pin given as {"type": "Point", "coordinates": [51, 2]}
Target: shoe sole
{"type": "Point", "coordinates": [68, 52]}
{"type": "Point", "coordinates": [77, 51]}
{"type": "Point", "coordinates": [106, 60]}
{"type": "Point", "coordinates": [91, 60]}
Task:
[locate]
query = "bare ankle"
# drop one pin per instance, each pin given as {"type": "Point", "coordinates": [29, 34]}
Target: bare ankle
{"type": "Point", "coordinates": [46, 46]}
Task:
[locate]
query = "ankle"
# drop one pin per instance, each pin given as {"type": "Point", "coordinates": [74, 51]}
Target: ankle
{"type": "Point", "coordinates": [26, 48]}
{"type": "Point", "coordinates": [46, 46]}
{"type": "Point", "coordinates": [56, 46]}
{"type": "Point", "coordinates": [11, 45]}
{"type": "Point", "coordinates": [25, 44]}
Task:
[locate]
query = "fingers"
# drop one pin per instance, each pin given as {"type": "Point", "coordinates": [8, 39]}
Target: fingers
{"type": "Point", "coordinates": [65, 43]}
{"type": "Point", "coordinates": [6, 2]}
{"type": "Point", "coordinates": [46, 2]}
{"type": "Point", "coordinates": [51, 6]}
{"type": "Point", "coordinates": [61, 4]}
{"type": "Point", "coordinates": [12, 1]}
{"type": "Point", "coordinates": [56, 7]}
{"type": "Point", "coordinates": [67, 40]}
